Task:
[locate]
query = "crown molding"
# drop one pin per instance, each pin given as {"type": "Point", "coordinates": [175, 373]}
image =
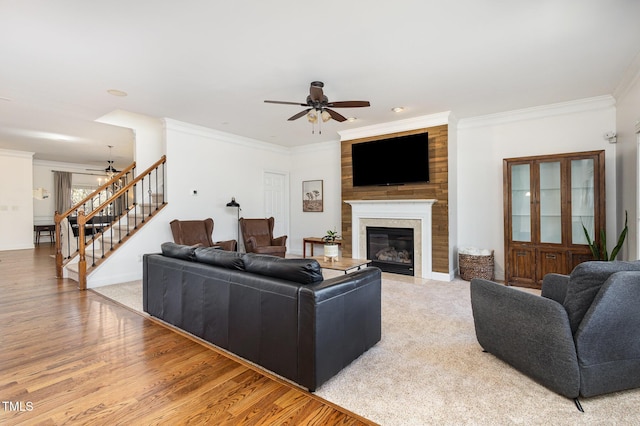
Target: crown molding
{"type": "Point", "coordinates": [193, 129]}
{"type": "Point", "coordinates": [396, 126]}
{"type": "Point", "coordinates": [14, 153]}
{"type": "Point", "coordinates": [315, 147]}
{"type": "Point", "coordinates": [63, 165]}
{"type": "Point", "coordinates": [570, 107]}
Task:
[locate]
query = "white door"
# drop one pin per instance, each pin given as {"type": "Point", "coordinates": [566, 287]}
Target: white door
{"type": "Point", "coordinates": [276, 201]}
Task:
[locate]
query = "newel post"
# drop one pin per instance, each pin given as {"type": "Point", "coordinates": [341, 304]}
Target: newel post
{"type": "Point", "coordinates": [57, 218]}
{"type": "Point", "coordinates": [82, 263]}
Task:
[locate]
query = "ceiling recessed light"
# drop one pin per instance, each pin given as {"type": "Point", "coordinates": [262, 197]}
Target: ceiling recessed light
{"type": "Point", "coordinates": [116, 92]}
{"type": "Point", "coordinates": [397, 109]}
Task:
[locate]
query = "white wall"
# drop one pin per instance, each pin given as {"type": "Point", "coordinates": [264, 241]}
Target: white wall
{"type": "Point", "coordinates": [627, 126]}
{"type": "Point", "coordinates": [216, 164]}
{"type": "Point", "coordinates": [149, 136]}
{"type": "Point", "coordinates": [315, 162]}
{"type": "Point", "coordinates": [219, 166]}
{"type": "Point", "coordinates": [16, 200]}
{"type": "Point", "coordinates": [484, 141]}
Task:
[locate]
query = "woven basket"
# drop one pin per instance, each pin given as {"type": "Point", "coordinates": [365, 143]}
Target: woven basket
{"type": "Point", "coordinates": [476, 266]}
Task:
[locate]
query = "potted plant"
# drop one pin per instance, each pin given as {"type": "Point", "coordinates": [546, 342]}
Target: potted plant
{"type": "Point", "coordinates": [331, 248]}
{"type": "Point", "coordinates": [600, 252]}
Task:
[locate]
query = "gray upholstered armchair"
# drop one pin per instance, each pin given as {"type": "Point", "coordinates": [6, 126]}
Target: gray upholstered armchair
{"type": "Point", "coordinates": [581, 337]}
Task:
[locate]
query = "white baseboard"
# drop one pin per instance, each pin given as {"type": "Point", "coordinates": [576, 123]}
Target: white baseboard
{"type": "Point", "coordinates": [441, 276]}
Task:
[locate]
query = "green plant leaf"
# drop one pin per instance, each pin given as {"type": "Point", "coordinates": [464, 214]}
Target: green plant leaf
{"type": "Point", "coordinates": [595, 252]}
{"type": "Point", "coordinates": [621, 238]}
{"type": "Point", "coordinates": [603, 240]}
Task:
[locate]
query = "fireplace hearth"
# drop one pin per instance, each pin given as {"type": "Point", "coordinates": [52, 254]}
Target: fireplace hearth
{"type": "Point", "coordinates": [391, 249]}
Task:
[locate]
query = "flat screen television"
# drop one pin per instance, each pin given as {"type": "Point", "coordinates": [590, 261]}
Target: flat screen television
{"type": "Point", "coordinates": [393, 161]}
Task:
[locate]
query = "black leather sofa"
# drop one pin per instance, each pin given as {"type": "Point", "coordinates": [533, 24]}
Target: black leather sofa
{"type": "Point", "coordinates": [278, 313]}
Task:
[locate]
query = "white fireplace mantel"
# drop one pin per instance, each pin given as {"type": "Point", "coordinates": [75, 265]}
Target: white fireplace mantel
{"type": "Point", "coordinates": [395, 210]}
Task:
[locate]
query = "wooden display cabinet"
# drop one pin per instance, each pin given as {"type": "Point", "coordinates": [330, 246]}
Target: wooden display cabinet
{"type": "Point", "coordinates": [547, 199]}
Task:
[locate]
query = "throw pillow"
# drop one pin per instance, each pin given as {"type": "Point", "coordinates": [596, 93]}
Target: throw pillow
{"type": "Point", "coordinates": [217, 257]}
{"type": "Point", "coordinates": [302, 271]}
{"type": "Point", "coordinates": [178, 251]}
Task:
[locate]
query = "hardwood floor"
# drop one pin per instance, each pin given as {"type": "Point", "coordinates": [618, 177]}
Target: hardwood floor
{"type": "Point", "coordinates": [75, 357]}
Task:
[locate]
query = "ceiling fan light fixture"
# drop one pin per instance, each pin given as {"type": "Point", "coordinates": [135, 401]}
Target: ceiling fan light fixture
{"type": "Point", "coordinates": [312, 116]}
{"type": "Point", "coordinates": [325, 116]}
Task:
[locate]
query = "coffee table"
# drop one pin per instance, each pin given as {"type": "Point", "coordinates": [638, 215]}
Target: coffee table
{"type": "Point", "coordinates": [342, 264]}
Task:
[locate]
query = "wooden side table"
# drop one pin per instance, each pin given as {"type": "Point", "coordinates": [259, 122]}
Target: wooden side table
{"type": "Point", "coordinates": [313, 241]}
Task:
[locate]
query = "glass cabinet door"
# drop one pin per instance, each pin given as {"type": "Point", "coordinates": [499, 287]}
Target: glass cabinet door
{"type": "Point", "coordinates": [582, 200]}
{"type": "Point", "coordinates": [521, 202]}
{"type": "Point", "coordinates": [550, 203]}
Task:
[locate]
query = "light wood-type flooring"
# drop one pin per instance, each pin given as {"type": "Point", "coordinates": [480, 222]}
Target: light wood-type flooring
{"type": "Point", "coordinates": [72, 357]}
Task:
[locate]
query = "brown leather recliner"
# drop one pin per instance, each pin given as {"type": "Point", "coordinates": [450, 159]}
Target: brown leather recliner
{"type": "Point", "coordinates": [257, 235]}
{"type": "Point", "coordinates": [192, 232]}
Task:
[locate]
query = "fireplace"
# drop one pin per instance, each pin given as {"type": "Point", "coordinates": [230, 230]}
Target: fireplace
{"type": "Point", "coordinates": [391, 249]}
{"type": "Point", "coordinates": [414, 214]}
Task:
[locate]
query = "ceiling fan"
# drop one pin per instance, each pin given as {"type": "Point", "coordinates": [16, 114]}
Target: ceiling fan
{"type": "Point", "coordinates": [318, 105]}
{"type": "Point", "coordinates": [109, 170]}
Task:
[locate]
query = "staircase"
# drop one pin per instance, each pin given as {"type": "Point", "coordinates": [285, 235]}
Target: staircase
{"type": "Point", "coordinates": [86, 235]}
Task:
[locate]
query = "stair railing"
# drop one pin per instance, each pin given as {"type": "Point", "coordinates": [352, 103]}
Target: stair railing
{"type": "Point", "coordinates": [69, 237]}
{"type": "Point", "coordinates": [124, 208]}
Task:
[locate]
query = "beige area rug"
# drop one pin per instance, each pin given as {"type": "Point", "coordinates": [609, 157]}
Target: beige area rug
{"type": "Point", "coordinates": [128, 294]}
{"type": "Point", "coordinates": [429, 369]}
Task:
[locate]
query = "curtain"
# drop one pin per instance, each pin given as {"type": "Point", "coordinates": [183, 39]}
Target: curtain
{"type": "Point", "coordinates": [62, 190]}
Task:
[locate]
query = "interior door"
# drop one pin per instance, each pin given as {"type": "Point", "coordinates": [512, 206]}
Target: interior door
{"type": "Point", "coordinates": [276, 201]}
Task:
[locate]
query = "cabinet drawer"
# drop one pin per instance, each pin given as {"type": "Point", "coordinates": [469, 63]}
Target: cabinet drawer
{"type": "Point", "coordinates": [551, 262]}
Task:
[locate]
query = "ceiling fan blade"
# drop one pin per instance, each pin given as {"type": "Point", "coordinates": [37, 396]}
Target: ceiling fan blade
{"type": "Point", "coordinates": [335, 115]}
{"type": "Point", "coordinates": [349, 104]}
{"type": "Point", "coordinates": [300, 114]}
{"type": "Point", "coordinates": [286, 103]}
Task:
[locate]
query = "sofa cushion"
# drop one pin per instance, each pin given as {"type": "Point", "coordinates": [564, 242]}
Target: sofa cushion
{"type": "Point", "coordinates": [302, 271]}
{"type": "Point", "coordinates": [216, 257]}
{"type": "Point", "coordinates": [584, 284]}
{"type": "Point", "coordinates": [178, 251]}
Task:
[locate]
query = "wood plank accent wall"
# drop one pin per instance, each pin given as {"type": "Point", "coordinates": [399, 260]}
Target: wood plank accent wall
{"type": "Point", "coordinates": [437, 188]}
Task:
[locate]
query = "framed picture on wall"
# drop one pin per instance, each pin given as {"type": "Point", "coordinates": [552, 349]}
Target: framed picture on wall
{"type": "Point", "coordinates": [312, 196]}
